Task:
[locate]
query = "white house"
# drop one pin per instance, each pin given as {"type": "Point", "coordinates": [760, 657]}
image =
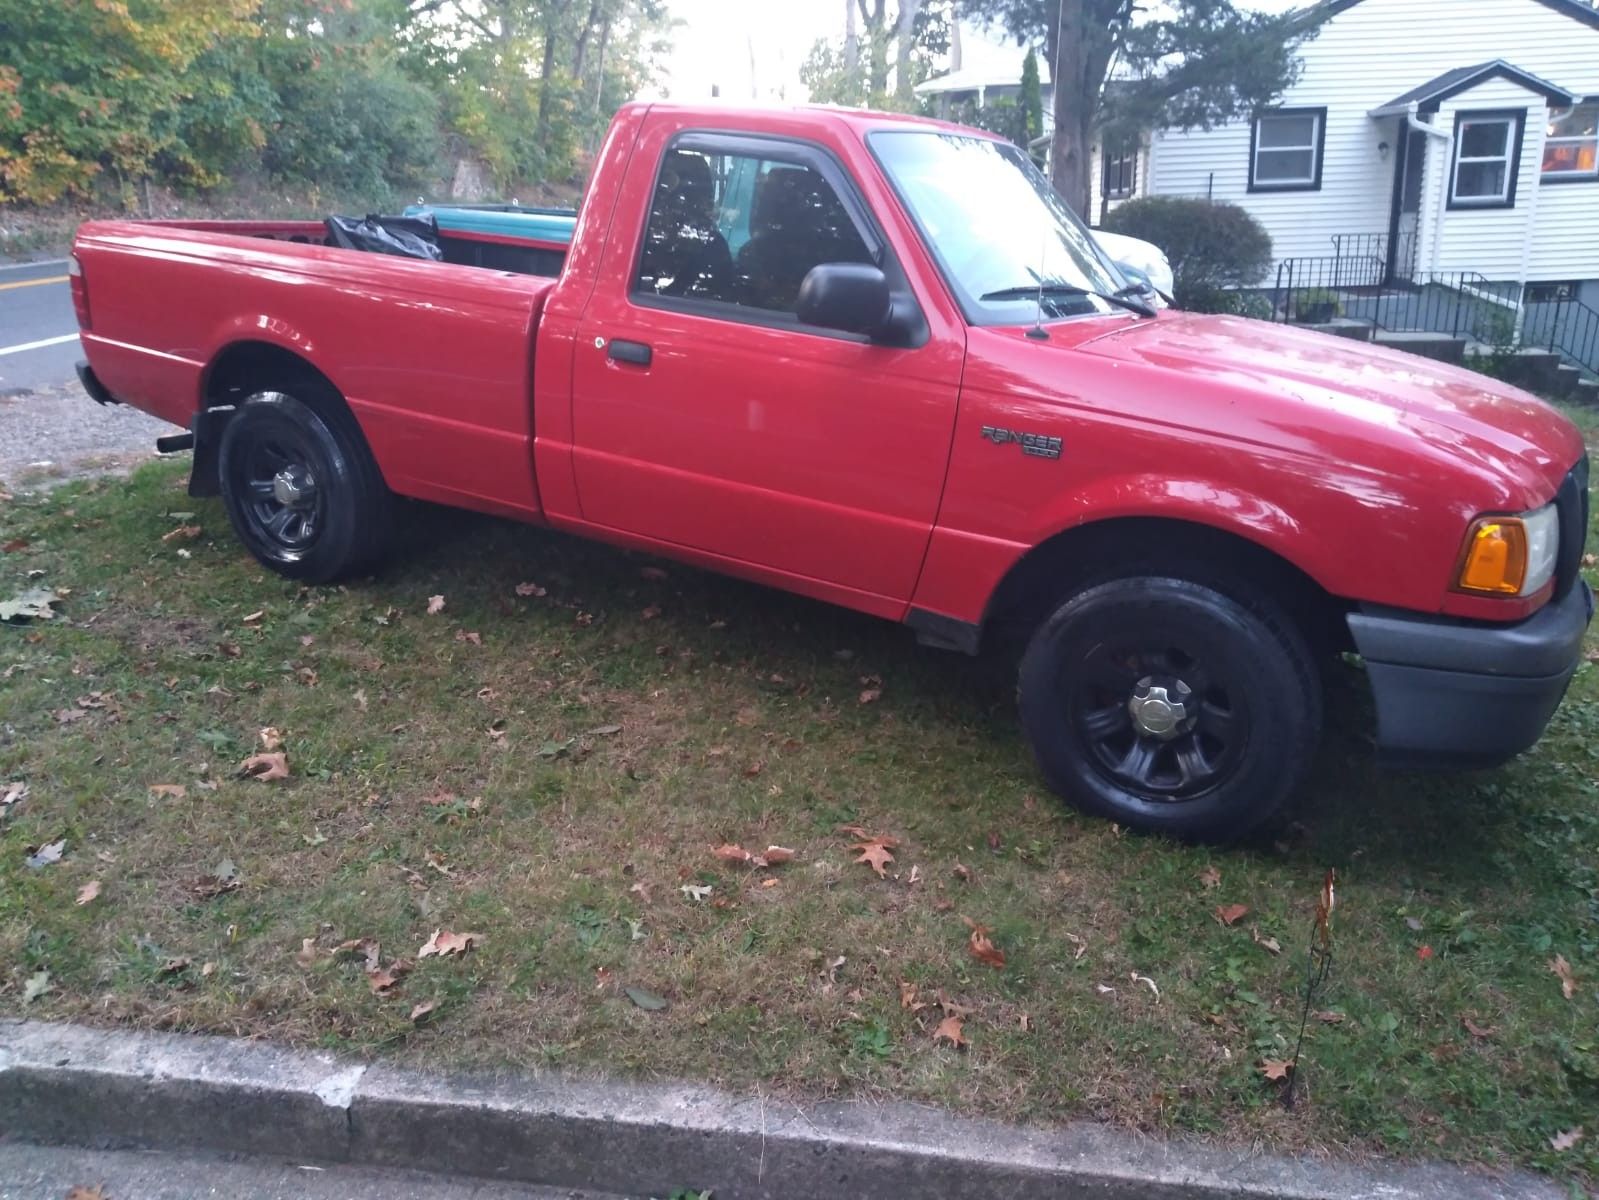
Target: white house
{"type": "Point", "coordinates": [1429, 136]}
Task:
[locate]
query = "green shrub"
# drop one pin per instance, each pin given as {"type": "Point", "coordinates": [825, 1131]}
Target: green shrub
{"type": "Point", "coordinates": [1213, 248]}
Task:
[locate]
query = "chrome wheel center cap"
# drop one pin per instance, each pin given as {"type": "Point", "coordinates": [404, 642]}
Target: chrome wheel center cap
{"type": "Point", "coordinates": [293, 487]}
{"type": "Point", "coordinates": [1159, 711]}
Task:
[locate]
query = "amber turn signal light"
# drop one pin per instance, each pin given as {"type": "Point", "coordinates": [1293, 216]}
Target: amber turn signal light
{"type": "Point", "coordinates": [1495, 560]}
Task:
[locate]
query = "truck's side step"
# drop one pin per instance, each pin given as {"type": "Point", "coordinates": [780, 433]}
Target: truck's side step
{"type": "Point", "coordinates": [173, 442]}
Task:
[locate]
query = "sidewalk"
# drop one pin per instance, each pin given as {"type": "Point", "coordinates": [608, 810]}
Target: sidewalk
{"type": "Point", "coordinates": [63, 1084]}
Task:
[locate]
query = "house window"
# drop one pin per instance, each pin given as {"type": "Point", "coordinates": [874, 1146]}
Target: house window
{"type": "Point", "coordinates": [1285, 148]}
{"type": "Point", "coordinates": [1571, 150]}
{"type": "Point", "coordinates": [1119, 171]}
{"type": "Point", "coordinates": [1487, 153]}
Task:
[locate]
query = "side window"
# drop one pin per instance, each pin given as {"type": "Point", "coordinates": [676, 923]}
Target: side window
{"type": "Point", "coordinates": [742, 230]}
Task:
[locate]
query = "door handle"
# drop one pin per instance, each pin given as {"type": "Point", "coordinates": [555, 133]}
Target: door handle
{"type": "Point", "coordinates": [636, 353]}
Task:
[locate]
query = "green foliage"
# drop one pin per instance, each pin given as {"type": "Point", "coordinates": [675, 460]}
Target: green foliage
{"type": "Point", "coordinates": [1212, 247]}
{"type": "Point", "coordinates": [373, 96]}
{"type": "Point", "coordinates": [1032, 98]}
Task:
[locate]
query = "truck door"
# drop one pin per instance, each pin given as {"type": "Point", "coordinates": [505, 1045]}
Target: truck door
{"type": "Point", "coordinates": [706, 415]}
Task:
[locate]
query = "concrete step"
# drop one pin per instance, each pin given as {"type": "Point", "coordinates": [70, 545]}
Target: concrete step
{"type": "Point", "coordinates": [1567, 377]}
{"type": "Point", "coordinates": [1347, 327]}
{"type": "Point", "coordinates": [1438, 346]}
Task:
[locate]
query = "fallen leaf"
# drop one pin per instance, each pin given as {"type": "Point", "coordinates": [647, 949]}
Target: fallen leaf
{"type": "Point", "coordinates": [907, 996]}
{"type": "Point", "coordinates": [1328, 1017]}
{"type": "Point", "coordinates": [1476, 1030]}
{"type": "Point", "coordinates": [1231, 914]}
{"type": "Point", "coordinates": [38, 985]}
{"type": "Point", "coordinates": [1080, 943]}
{"type": "Point", "coordinates": [1145, 979]}
{"type": "Point", "coordinates": [641, 890]}
{"type": "Point", "coordinates": [603, 731]}
{"type": "Point", "coordinates": [266, 767]}
{"type": "Point", "coordinates": [1210, 877]}
{"type": "Point", "coordinates": [770, 882]}
{"type": "Point", "coordinates": [952, 1008]}
{"type": "Point", "coordinates": [31, 604]}
{"type": "Point", "coordinates": [1413, 924]}
{"type": "Point", "coordinates": [949, 1030]}
{"type": "Point", "coordinates": [650, 613]}
{"type": "Point", "coordinates": [773, 855]}
{"type": "Point", "coordinates": [92, 700]}
{"type": "Point", "coordinates": [531, 589]}
{"type": "Point", "coordinates": [47, 854]}
{"type": "Point", "coordinates": [169, 791]}
{"type": "Point", "coordinates": [435, 605]}
{"type": "Point", "coordinates": [422, 1010]}
{"type": "Point", "coordinates": [1276, 1068]}
{"type": "Point", "coordinates": [982, 948]}
{"type": "Point", "coordinates": [97, 1192]}
{"type": "Point", "coordinates": [443, 942]}
{"type": "Point", "coordinates": [1566, 1140]}
{"type": "Point", "coordinates": [208, 970]}
{"type": "Point", "coordinates": [648, 1001]}
{"type": "Point", "coordinates": [307, 954]}
{"type": "Point", "coordinates": [731, 853]}
{"type": "Point", "coordinates": [360, 698]}
{"type": "Point", "coordinates": [252, 618]}
{"type": "Point", "coordinates": [174, 966]}
{"type": "Point", "coordinates": [65, 716]}
{"type": "Point", "coordinates": [1424, 952]}
{"type": "Point", "coordinates": [469, 635]}
{"type": "Point", "coordinates": [183, 533]}
{"type": "Point", "coordinates": [1269, 944]}
{"type": "Point", "coordinates": [383, 979]}
{"type": "Point", "coordinates": [229, 649]}
{"type": "Point", "coordinates": [14, 545]}
{"type": "Point", "coordinates": [696, 891]}
{"type": "Point", "coordinates": [88, 892]}
{"type": "Point", "coordinates": [1568, 982]}
{"type": "Point", "coordinates": [875, 855]}
{"type": "Point", "coordinates": [962, 871]}
{"type": "Point", "coordinates": [872, 696]}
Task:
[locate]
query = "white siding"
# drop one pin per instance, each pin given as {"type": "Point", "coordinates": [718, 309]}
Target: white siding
{"type": "Point", "coordinates": [1098, 203]}
{"type": "Point", "coordinates": [1365, 57]}
{"type": "Point", "coordinates": [1490, 241]}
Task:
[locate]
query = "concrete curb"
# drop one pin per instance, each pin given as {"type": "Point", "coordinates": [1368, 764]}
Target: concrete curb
{"type": "Point", "coordinates": [69, 1084]}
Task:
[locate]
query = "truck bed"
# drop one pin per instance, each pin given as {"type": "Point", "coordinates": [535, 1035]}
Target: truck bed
{"type": "Point", "coordinates": [435, 358]}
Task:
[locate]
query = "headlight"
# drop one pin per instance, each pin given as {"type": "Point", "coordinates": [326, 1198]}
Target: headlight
{"type": "Point", "coordinates": [1510, 556]}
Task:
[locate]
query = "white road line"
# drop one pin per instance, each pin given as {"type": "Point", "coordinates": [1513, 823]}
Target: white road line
{"type": "Point", "coordinates": [55, 341]}
{"type": "Point", "coordinates": [43, 262]}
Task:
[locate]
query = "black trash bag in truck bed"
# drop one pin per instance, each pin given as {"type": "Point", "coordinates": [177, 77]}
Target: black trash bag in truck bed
{"type": "Point", "coordinates": [409, 237]}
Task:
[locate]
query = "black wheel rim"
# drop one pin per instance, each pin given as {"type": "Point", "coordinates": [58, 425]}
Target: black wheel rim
{"type": "Point", "coordinates": [282, 497]}
{"type": "Point", "coordinates": [1158, 719]}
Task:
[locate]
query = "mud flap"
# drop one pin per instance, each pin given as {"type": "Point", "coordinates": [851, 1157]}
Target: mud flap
{"type": "Point", "coordinates": [207, 429]}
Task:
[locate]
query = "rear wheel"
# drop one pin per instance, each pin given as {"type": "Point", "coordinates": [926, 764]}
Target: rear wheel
{"type": "Point", "coordinates": [300, 486]}
{"type": "Point", "coordinates": [1170, 706]}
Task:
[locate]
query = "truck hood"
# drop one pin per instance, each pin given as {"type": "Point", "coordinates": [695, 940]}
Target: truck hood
{"type": "Point", "coordinates": [1461, 413]}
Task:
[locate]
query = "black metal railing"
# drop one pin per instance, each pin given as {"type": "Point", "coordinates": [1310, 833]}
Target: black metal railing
{"type": "Point", "coordinates": [1568, 327]}
{"type": "Point", "coordinates": [1315, 291]}
{"type": "Point", "coordinates": [1367, 254]}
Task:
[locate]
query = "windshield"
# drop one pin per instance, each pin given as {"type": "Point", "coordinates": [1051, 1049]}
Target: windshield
{"type": "Point", "coordinates": [996, 227]}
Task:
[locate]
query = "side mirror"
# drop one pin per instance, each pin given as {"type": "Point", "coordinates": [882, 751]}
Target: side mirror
{"type": "Point", "coordinates": [853, 297]}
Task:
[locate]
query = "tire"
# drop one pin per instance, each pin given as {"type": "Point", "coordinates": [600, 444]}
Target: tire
{"type": "Point", "coordinates": [1228, 705]}
{"type": "Point", "coordinates": [301, 487]}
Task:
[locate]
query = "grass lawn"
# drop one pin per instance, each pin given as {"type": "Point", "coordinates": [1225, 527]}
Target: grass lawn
{"type": "Point", "coordinates": [551, 770]}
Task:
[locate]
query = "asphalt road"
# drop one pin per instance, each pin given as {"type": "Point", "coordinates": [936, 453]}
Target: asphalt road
{"type": "Point", "coordinates": [49, 1173]}
{"type": "Point", "coordinates": [38, 331]}
{"type": "Point", "coordinates": [50, 430]}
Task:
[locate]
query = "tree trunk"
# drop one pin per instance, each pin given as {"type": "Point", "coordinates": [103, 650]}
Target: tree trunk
{"type": "Point", "coordinates": [852, 44]}
{"type": "Point", "coordinates": [1076, 98]}
{"type": "Point", "coordinates": [875, 19]}
{"type": "Point", "coordinates": [905, 37]}
{"type": "Point", "coordinates": [580, 51]}
{"type": "Point", "coordinates": [546, 80]}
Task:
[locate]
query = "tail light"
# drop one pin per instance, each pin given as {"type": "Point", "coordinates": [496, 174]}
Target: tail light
{"type": "Point", "coordinates": [80, 292]}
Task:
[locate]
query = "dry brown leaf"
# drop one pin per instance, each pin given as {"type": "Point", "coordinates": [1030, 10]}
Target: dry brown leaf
{"type": "Point", "coordinates": [367, 948]}
{"type": "Point", "coordinates": [207, 970]}
{"type": "Point", "coordinates": [1568, 981]}
{"type": "Point", "coordinates": [531, 589]}
{"type": "Point", "coordinates": [650, 613]}
{"type": "Point", "coordinates": [1269, 944]}
{"type": "Point", "coordinates": [266, 767]}
{"type": "Point", "coordinates": [88, 892]}
{"type": "Point", "coordinates": [444, 942]}
{"type": "Point", "coordinates": [422, 1010]}
{"type": "Point", "coordinates": [1276, 1068]}
{"type": "Point", "coordinates": [469, 635]}
{"type": "Point", "coordinates": [732, 853]}
{"type": "Point", "coordinates": [183, 533]}
{"type": "Point", "coordinates": [1476, 1030]}
{"type": "Point", "coordinates": [97, 1192]}
{"type": "Point", "coordinates": [271, 738]}
{"type": "Point", "coordinates": [949, 1030]}
{"type": "Point", "coordinates": [435, 605]}
{"type": "Point", "coordinates": [641, 890]}
{"type": "Point", "coordinates": [1231, 914]}
{"type": "Point", "coordinates": [871, 696]}
{"type": "Point", "coordinates": [169, 791]}
{"type": "Point", "coordinates": [1328, 1017]}
{"type": "Point", "coordinates": [875, 855]}
{"type": "Point", "coordinates": [174, 966]}
{"type": "Point", "coordinates": [773, 855]}
{"type": "Point", "coordinates": [1566, 1140]}
{"type": "Point", "coordinates": [907, 996]}
{"type": "Point", "coordinates": [307, 954]}
{"type": "Point", "coordinates": [1210, 877]}
{"type": "Point", "coordinates": [982, 948]}
{"type": "Point", "coordinates": [65, 716]}
{"type": "Point", "coordinates": [381, 981]}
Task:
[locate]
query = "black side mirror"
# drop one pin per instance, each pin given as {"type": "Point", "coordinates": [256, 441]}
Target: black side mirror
{"type": "Point", "coordinates": [854, 297]}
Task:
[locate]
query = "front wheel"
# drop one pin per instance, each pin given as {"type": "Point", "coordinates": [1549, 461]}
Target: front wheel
{"type": "Point", "coordinates": [1169, 706]}
{"type": "Point", "coordinates": [301, 488]}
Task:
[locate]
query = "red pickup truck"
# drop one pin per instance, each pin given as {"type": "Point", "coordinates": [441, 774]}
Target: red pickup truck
{"type": "Point", "coordinates": [874, 359]}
